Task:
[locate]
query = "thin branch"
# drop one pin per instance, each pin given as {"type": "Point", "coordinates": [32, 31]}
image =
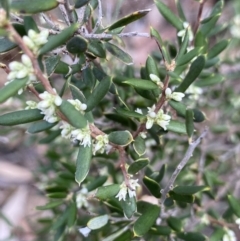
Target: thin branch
{"type": "Point", "coordinates": [180, 166]}
{"type": "Point", "coordinates": [110, 36]}
{"type": "Point", "coordinates": [64, 13]}
{"type": "Point", "coordinates": [69, 9]}
{"type": "Point", "coordinates": [37, 71]}
{"type": "Point", "coordinates": [50, 22]}
{"type": "Point", "coordinates": [100, 17]}
{"type": "Point", "coordinates": [200, 10]}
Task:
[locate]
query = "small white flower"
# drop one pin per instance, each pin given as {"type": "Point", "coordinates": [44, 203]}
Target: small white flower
{"type": "Point", "coordinates": [124, 190]}
{"type": "Point", "coordinates": [48, 106]}
{"type": "Point", "coordinates": [31, 105]}
{"type": "Point", "coordinates": [66, 129]}
{"type": "Point", "coordinates": [229, 235]}
{"type": "Point", "coordinates": [177, 96]}
{"type": "Point", "coordinates": [194, 92]}
{"type": "Point", "coordinates": [101, 143]}
{"type": "Point", "coordinates": [234, 29]}
{"type": "Point", "coordinates": [139, 111]}
{"type": "Point", "coordinates": [85, 231]}
{"type": "Point", "coordinates": [156, 80]}
{"type": "Point", "coordinates": [163, 119]}
{"type": "Point", "coordinates": [143, 135]}
{"type": "Point", "coordinates": [182, 32]}
{"type": "Point", "coordinates": [81, 198]}
{"type": "Point", "coordinates": [82, 135]}
{"type": "Point", "coordinates": [35, 40]}
{"type": "Point", "coordinates": [151, 116]}
{"type": "Point", "coordinates": [238, 222]}
{"type": "Point", "coordinates": [78, 105]}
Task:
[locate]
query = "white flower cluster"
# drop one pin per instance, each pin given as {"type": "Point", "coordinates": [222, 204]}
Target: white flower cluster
{"type": "Point", "coordinates": [234, 30]}
{"type": "Point", "coordinates": [78, 105]}
{"type": "Point", "coordinates": [177, 96]}
{"type": "Point", "coordinates": [31, 105]}
{"type": "Point", "coordinates": [229, 235]}
{"type": "Point", "coordinates": [159, 118]}
{"type": "Point", "coordinates": [21, 70]}
{"type": "Point", "coordinates": [100, 144]}
{"type": "Point", "coordinates": [48, 106]}
{"type": "Point", "coordinates": [156, 80]}
{"type": "Point", "coordinates": [81, 198]}
{"type": "Point", "coordinates": [35, 40]}
{"type": "Point", "coordinates": [194, 92]}
{"type": "Point", "coordinates": [130, 190]}
{"type": "Point", "coordinates": [182, 32]}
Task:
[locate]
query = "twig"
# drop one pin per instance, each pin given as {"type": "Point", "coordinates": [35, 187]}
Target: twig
{"type": "Point", "coordinates": [49, 22]}
{"type": "Point", "coordinates": [180, 166]}
{"type": "Point", "coordinates": [37, 71]}
{"type": "Point", "coordinates": [110, 36]}
{"type": "Point", "coordinates": [100, 16]}
{"type": "Point", "coordinates": [200, 10]}
{"type": "Point", "coordinates": [69, 11]}
{"type": "Point", "coordinates": [64, 13]}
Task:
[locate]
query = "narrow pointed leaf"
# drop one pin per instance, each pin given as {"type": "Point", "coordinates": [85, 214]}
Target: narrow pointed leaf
{"type": "Point", "coordinates": [175, 223]}
{"type": "Point", "coordinates": [96, 48]}
{"type": "Point", "coordinates": [138, 165]}
{"type": "Point", "coordinates": [74, 117]}
{"type": "Point", "coordinates": [234, 204]}
{"type": "Point", "coordinates": [181, 198]}
{"type": "Point", "coordinates": [72, 214]}
{"type": "Point", "coordinates": [169, 15]}
{"type": "Point", "coordinates": [83, 163]}
{"type": "Point", "coordinates": [176, 126]}
{"type": "Point", "coordinates": [152, 186]}
{"type": "Point", "coordinates": [189, 190]}
{"type": "Point", "coordinates": [119, 53]}
{"type": "Point", "coordinates": [217, 48]}
{"type": "Point", "coordinates": [29, 23]}
{"type": "Point", "coordinates": [97, 222]}
{"type": "Point", "coordinates": [190, 236]}
{"type": "Point", "coordinates": [129, 113]}
{"type": "Point", "coordinates": [36, 6]}
{"type": "Point", "coordinates": [12, 88]}
{"type": "Point", "coordinates": [183, 47]}
{"type": "Point", "coordinates": [20, 117]}
{"type": "Point", "coordinates": [207, 27]}
{"type": "Point", "coordinates": [141, 84]}
{"type": "Point", "coordinates": [50, 137]}
{"type": "Point", "coordinates": [95, 183]}
{"type": "Point", "coordinates": [98, 93]}
{"type": "Point", "coordinates": [50, 205]}
{"type": "Point", "coordinates": [129, 18]}
{"type": "Point", "coordinates": [80, 3]}
{"type": "Point", "coordinates": [40, 126]}
{"type": "Point", "coordinates": [180, 10]}
{"type": "Point", "coordinates": [59, 39]}
{"type": "Point", "coordinates": [51, 64]}
{"type": "Point", "coordinates": [195, 69]}
{"type": "Point", "coordinates": [212, 80]}
{"type": "Point", "coordinates": [189, 122]}
{"type": "Point", "coordinates": [186, 58]}
{"type": "Point", "coordinates": [129, 206]}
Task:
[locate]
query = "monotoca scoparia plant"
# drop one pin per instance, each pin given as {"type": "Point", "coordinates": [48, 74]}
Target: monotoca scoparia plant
{"type": "Point", "coordinates": [123, 143]}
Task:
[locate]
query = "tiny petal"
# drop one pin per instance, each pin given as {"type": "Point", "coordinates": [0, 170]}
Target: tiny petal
{"type": "Point", "coordinates": [154, 78]}
{"type": "Point", "coordinates": [149, 123]}
{"type": "Point", "coordinates": [26, 60]}
{"type": "Point", "coordinates": [168, 92]}
{"type": "Point", "coordinates": [58, 100]}
{"type": "Point", "coordinates": [139, 111]}
{"type": "Point", "coordinates": [22, 73]}
{"type": "Point", "coordinates": [83, 106]}
{"type": "Point", "coordinates": [85, 231]}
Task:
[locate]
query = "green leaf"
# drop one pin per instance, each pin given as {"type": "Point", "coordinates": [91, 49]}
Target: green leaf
{"type": "Point", "coordinates": [20, 117]}
{"type": "Point", "coordinates": [211, 80]}
{"type": "Point", "coordinates": [129, 113]}
{"type": "Point", "coordinates": [51, 64]}
{"type": "Point", "coordinates": [169, 15]}
{"type": "Point", "coordinates": [50, 137]}
{"type": "Point", "coordinates": [158, 176]}
{"type": "Point", "coordinates": [161, 230]}
{"type": "Point", "coordinates": [183, 47]}
{"type": "Point", "coordinates": [98, 93]}
{"type": "Point", "coordinates": [96, 48]}
{"type": "Point", "coordinates": [141, 84]}
{"type": "Point", "coordinates": [151, 66]}
{"type": "Point", "coordinates": [189, 190]}
{"type": "Point", "coordinates": [83, 163]}
{"type": "Point", "coordinates": [57, 195]}
{"type": "Point", "coordinates": [182, 198]}
{"type": "Point", "coordinates": [129, 19]}
{"type": "Point", "coordinates": [138, 165]}
{"type": "Point", "coordinates": [234, 204]}
{"type": "Point", "coordinates": [190, 236]}
{"type": "Point", "coordinates": [119, 53]}
{"type": "Point", "coordinates": [98, 222]}
{"type": "Point", "coordinates": [54, 188]}
{"type": "Point", "coordinates": [6, 45]}
{"type": "Point", "coordinates": [189, 122]}
{"type": "Point", "coordinates": [59, 39]}
{"type": "Point", "coordinates": [146, 220]}
{"type": "Point", "coordinates": [50, 205]}
{"type": "Point", "coordinates": [139, 146]}
{"type": "Point", "coordinates": [36, 6]}
{"type": "Point", "coordinates": [121, 235]}
{"type": "Point", "coordinates": [122, 138]}
{"type": "Point", "coordinates": [211, 62]}
{"type": "Point", "coordinates": [207, 27]}
{"type": "Point", "coordinates": [29, 23]}
{"type": "Point", "coordinates": [174, 223]}
{"type": "Point", "coordinates": [12, 88]}
{"type": "Point", "coordinates": [96, 182]}
{"type": "Point", "coordinates": [185, 59]}
{"type": "Point", "coordinates": [152, 186]}
{"type": "Point", "coordinates": [129, 206]}
{"type": "Point", "coordinates": [77, 45]}
{"type": "Point", "coordinates": [72, 214]}
{"type": "Point", "coordinates": [198, 115]}
{"type": "Point", "coordinates": [179, 107]}
{"type": "Point", "coordinates": [74, 117]}
{"type": "Point", "coordinates": [176, 126]}
{"type": "Point", "coordinates": [217, 48]}
{"type": "Point", "coordinates": [180, 10]}
{"type": "Point", "coordinates": [40, 126]}
{"type": "Point", "coordinates": [81, 3]}
{"type": "Point", "coordinates": [106, 192]}
{"type": "Point", "coordinates": [194, 71]}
